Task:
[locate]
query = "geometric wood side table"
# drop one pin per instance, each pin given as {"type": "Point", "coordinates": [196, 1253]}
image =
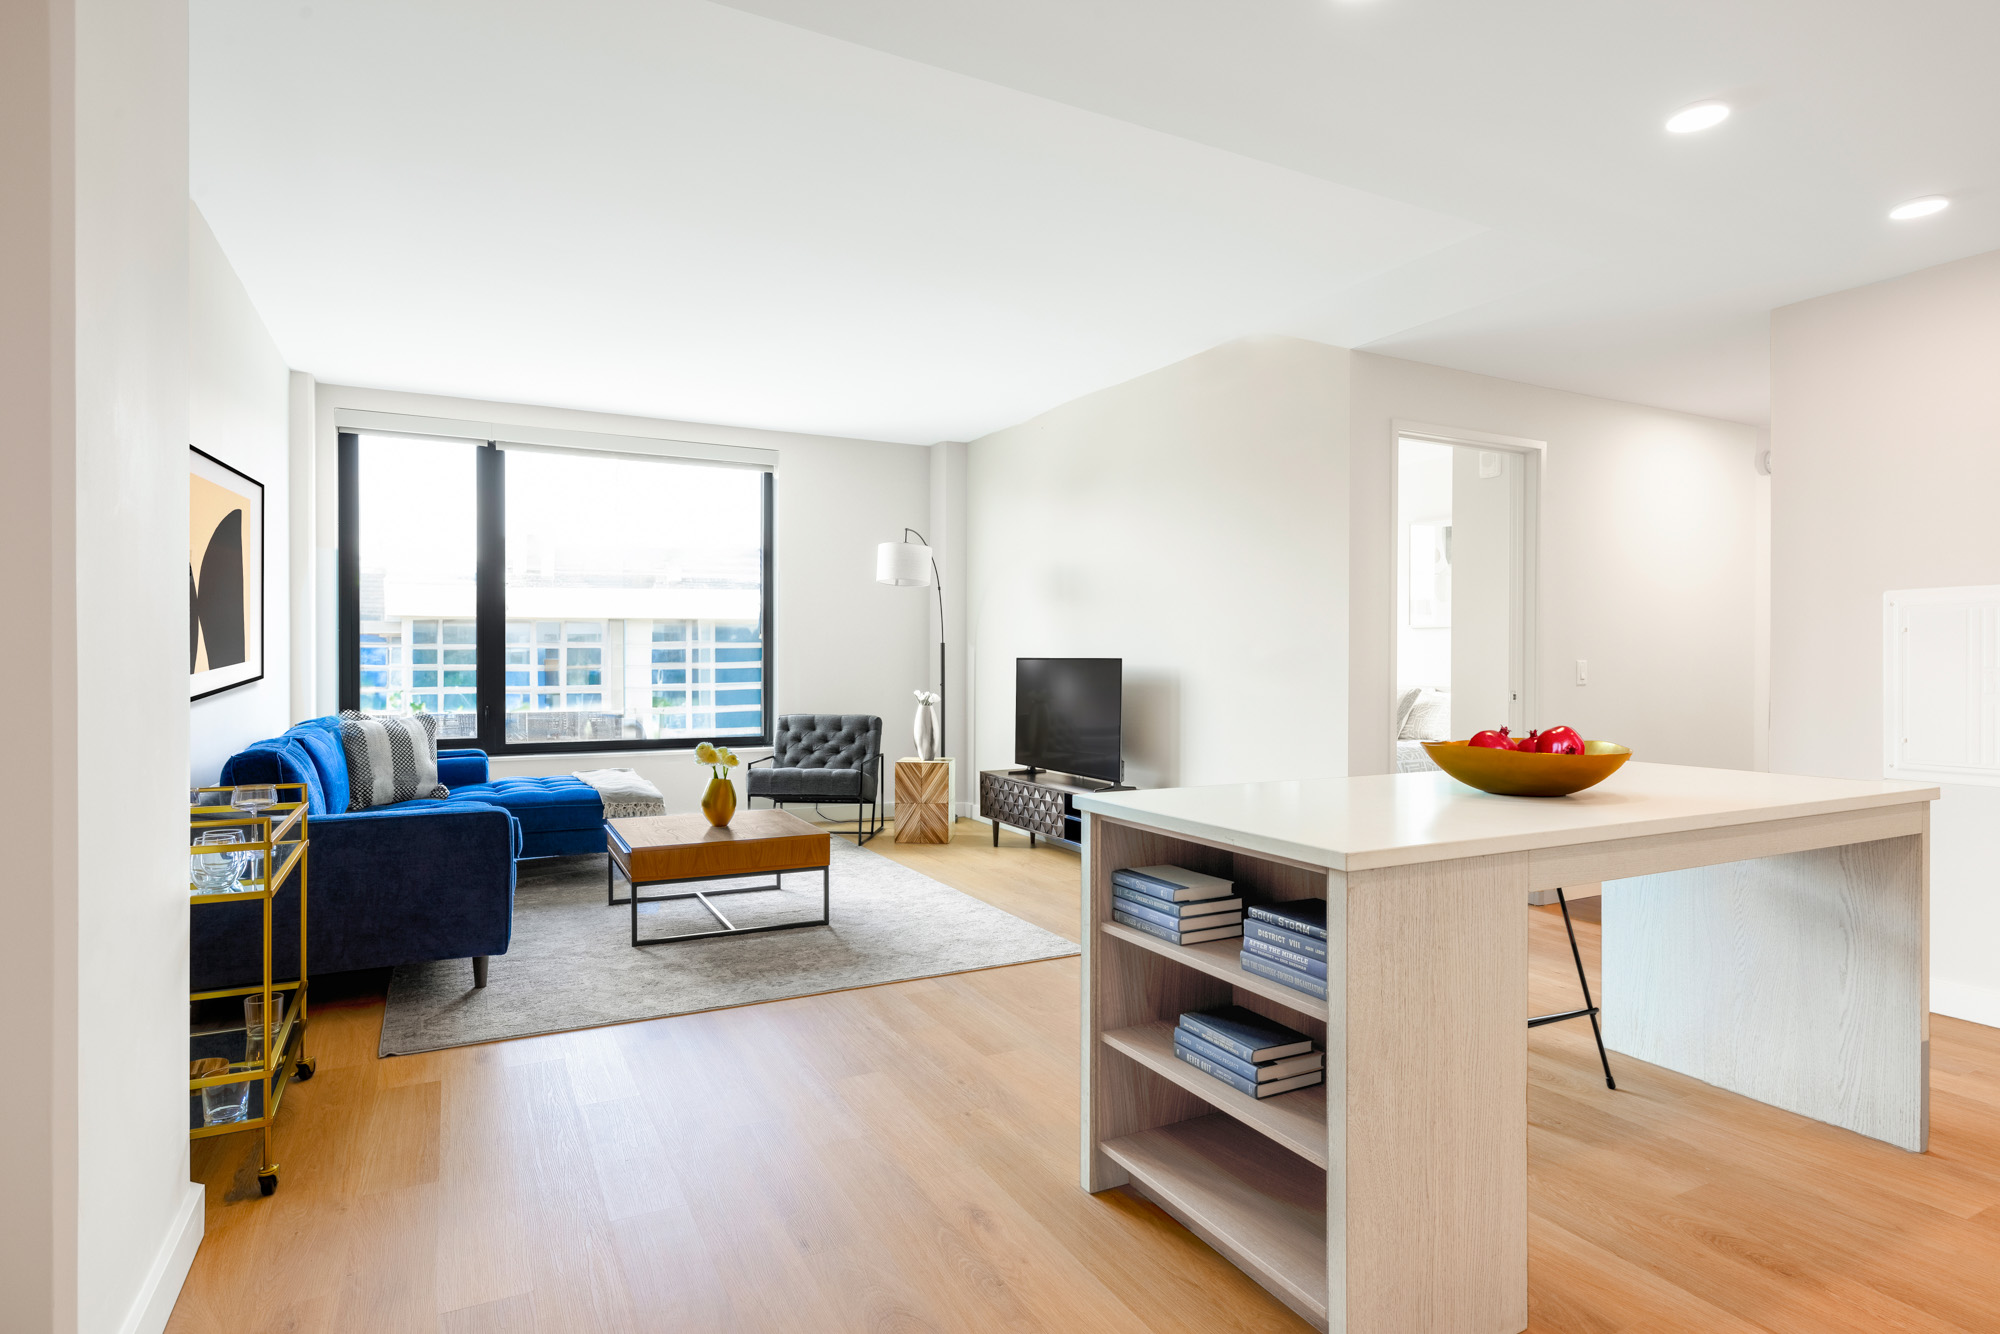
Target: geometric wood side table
{"type": "Point", "coordinates": [923, 801]}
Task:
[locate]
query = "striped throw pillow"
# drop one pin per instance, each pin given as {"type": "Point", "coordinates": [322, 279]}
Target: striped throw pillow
{"type": "Point", "coordinates": [390, 758]}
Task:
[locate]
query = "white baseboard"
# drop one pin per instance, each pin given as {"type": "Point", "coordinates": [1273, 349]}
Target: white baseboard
{"type": "Point", "coordinates": [1962, 1000]}
{"type": "Point", "coordinates": [162, 1288]}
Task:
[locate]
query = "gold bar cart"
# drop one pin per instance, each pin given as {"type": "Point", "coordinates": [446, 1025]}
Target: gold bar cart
{"type": "Point", "coordinates": [220, 1040]}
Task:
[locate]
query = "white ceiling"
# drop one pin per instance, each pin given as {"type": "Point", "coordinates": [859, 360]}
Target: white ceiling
{"type": "Point", "coordinates": [927, 219]}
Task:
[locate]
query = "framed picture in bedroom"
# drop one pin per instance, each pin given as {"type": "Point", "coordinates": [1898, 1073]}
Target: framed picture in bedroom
{"type": "Point", "coordinates": [225, 576]}
{"type": "Point", "coordinates": [1430, 575]}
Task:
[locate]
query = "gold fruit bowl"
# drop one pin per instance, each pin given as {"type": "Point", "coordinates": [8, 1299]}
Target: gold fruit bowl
{"type": "Point", "coordinates": [1519, 773]}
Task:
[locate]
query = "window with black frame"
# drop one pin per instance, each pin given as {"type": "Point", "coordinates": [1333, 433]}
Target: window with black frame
{"type": "Point", "coordinates": [539, 598]}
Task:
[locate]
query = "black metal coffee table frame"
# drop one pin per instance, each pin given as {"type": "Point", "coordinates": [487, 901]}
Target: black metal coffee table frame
{"type": "Point", "coordinates": [635, 898]}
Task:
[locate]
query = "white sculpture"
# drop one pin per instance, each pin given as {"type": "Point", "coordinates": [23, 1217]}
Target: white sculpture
{"type": "Point", "coordinates": [926, 727]}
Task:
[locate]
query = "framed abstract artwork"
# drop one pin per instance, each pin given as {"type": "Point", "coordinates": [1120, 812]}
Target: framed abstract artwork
{"type": "Point", "coordinates": [225, 577]}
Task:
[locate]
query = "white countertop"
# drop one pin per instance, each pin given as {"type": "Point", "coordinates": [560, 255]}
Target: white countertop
{"type": "Point", "coordinates": [1352, 824]}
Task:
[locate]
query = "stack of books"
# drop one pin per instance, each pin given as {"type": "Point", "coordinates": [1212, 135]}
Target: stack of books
{"type": "Point", "coordinates": [1248, 1052]}
{"type": "Point", "coordinates": [1179, 906]}
{"type": "Point", "coordinates": [1286, 942]}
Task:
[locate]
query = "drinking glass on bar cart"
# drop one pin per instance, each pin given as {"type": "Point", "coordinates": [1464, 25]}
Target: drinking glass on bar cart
{"type": "Point", "coordinates": [225, 1104]}
{"type": "Point", "coordinates": [215, 872]}
{"type": "Point", "coordinates": [250, 800]}
{"type": "Point", "coordinates": [253, 1024]}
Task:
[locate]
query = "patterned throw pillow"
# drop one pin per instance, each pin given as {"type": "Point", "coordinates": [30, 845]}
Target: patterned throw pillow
{"type": "Point", "coordinates": [390, 758]}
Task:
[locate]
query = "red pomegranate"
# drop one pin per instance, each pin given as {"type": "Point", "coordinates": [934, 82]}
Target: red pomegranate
{"type": "Point", "coordinates": [1559, 741]}
{"type": "Point", "coordinates": [1529, 741]}
{"type": "Point", "coordinates": [1490, 740]}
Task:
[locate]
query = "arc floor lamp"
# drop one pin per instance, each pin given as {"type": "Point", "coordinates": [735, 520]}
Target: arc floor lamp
{"type": "Point", "coordinates": [911, 565]}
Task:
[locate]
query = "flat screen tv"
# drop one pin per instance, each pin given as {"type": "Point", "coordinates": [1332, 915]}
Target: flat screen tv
{"type": "Point", "coordinates": [1067, 715]}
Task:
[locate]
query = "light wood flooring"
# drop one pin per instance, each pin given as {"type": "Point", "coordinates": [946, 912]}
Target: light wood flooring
{"type": "Point", "coordinates": [903, 1158]}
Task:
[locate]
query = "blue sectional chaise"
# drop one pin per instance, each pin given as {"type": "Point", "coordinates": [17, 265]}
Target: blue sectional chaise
{"type": "Point", "coordinates": [409, 883]}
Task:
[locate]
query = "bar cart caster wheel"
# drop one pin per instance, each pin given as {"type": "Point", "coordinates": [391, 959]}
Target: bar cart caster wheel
{"type": "Point", "coordinates": [306, 1068]}
{"type": "Point", "coordinates": [267, 1182]}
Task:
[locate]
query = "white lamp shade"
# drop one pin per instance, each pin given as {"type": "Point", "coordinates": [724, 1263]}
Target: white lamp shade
{"type": "Point", "coordinates": [902, 563]}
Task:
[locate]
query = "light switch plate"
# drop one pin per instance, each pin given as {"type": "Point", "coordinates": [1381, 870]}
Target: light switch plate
{"type": "Point", "coordinates": [1583, 671]}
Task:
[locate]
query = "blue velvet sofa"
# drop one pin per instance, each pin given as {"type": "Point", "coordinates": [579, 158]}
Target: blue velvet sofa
{"type": "Point", "coordinates": [417, 881]}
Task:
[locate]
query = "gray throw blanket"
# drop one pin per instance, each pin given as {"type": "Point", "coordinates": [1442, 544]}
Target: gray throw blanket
{"type": "Point", "coordinates": [624, 792]}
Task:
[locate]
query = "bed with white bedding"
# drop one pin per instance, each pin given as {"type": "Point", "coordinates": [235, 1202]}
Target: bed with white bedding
{"type": "Point", "coordinates": [1422, 714]}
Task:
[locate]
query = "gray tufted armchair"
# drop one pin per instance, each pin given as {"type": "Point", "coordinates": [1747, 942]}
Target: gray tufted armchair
{"type": "Point", "coordinates": [819, 757]}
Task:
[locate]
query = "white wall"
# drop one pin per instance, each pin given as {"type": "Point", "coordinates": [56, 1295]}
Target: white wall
{"type": "Point", "coordinates": [1193, 523]}
{"type": "Point", "coordinates": [239, 397]}
{"type": "Point", "coordinates": [951, 464]}
{"type": "Point", "coordinates": [844, 643]}
{"type": "Point", "coordinates": [97, 1217]}
{"type": "Point", "coordinates": [1885, 435]}
{"type": "Point", "coordinates": [37, 544]}
{"type": "Point", "coordinates": [1648, 561]}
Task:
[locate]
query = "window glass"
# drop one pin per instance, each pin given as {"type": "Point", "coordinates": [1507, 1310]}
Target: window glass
{"type": "Point", "coordinates": [418, 508]}
{"type": "Point", "coordinates": [625, 578]}
{"type": "Point", "coordinates": [609, 557]}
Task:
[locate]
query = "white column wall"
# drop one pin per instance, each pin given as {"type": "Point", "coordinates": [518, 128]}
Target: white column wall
{"type": "Point", "coordinates": [98, 1220]}
{"type": "Point", "coordinates": [1194, 523]}
{"type": "Point", "coordinates": [948, 530]}
{"type": "Point", "coordinates": [1885, 440]}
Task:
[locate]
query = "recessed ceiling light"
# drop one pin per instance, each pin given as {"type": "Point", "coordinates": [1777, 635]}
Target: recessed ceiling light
{"type": "Point", "coordinates": [1700, 116]}
{"type": "Point", "coordinates": [1920, 208]}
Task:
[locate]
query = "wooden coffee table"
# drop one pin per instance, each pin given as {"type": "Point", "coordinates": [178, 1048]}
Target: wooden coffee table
{"type": "Point", "coordinates": [653, 850]}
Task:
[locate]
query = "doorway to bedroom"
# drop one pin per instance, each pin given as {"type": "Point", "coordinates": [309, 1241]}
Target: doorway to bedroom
{"type": "Point", "coordinates": [1464, 590]}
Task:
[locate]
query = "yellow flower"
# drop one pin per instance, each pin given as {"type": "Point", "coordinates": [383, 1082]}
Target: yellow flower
{"type": "Point", "coordinates": [705, 754]}
{"type": "Point", "coordinates": [728, 757]}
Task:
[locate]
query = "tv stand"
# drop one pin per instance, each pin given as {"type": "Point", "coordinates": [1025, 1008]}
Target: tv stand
{"type": "Point", "coordinates": [1038, 803]}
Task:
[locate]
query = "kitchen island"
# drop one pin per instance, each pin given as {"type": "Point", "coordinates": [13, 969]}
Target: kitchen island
{"type": "Point", "coordinates": [1765, 933]}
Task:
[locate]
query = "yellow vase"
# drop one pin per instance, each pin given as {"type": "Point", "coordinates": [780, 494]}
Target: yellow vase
{"type": "Point", "coordinates": [719, 802]}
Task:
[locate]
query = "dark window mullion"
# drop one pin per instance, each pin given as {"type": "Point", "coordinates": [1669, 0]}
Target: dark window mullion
{"type": "Point", "coordinates": [764, 632]}
{"type": "Point", "coordinates": [347, 610]}
{"type": "Point", "coordinates": [490, 598]}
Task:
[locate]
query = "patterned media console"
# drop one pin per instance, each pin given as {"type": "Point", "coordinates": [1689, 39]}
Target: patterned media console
{"type": "Point", "coordinates": [1043, 805]}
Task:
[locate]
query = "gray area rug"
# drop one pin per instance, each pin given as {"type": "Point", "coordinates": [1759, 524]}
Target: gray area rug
{"type": "Point", "coordinates": [572, 965]}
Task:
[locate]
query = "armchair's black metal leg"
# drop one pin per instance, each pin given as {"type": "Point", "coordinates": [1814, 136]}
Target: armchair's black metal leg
{"type": "Point", "coordinates": [479, 970]}
{"type": "Point", "coordinates": [868, 818]}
